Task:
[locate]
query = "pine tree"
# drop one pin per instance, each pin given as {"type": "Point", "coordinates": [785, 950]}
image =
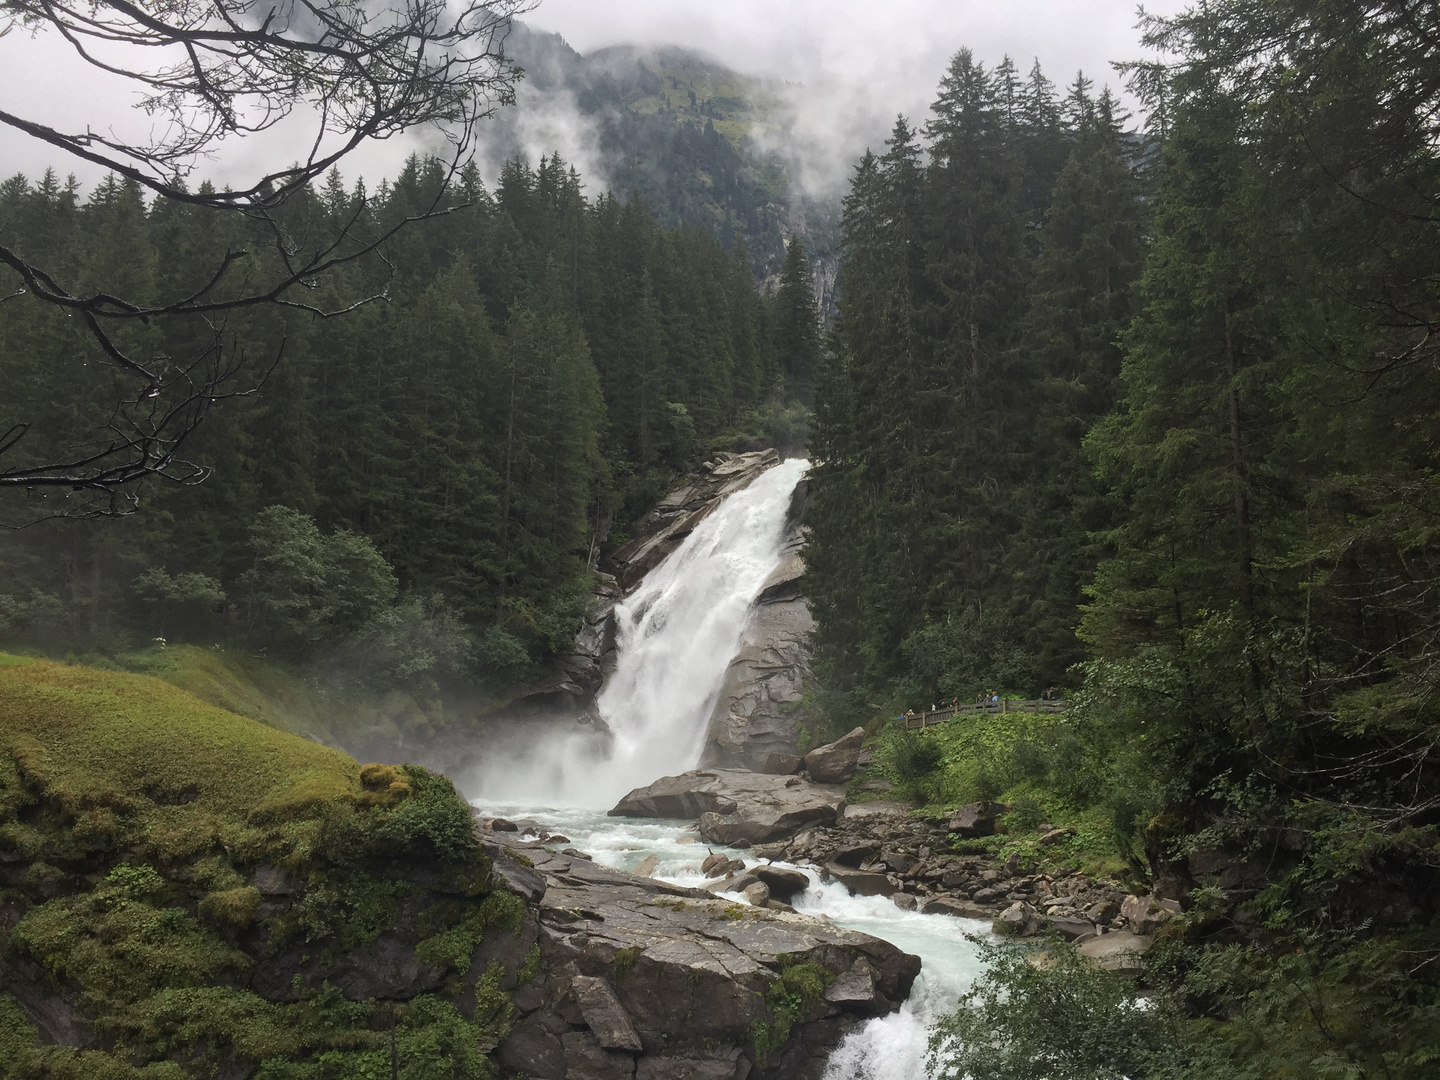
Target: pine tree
{"type": "Point", "coordinates": [797, 323]}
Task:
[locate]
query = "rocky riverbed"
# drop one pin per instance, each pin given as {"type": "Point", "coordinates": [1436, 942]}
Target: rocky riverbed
{"type": "Point", "coordinates": [642, 979]}
{"type": "Point", "coordinates": [924, 863]}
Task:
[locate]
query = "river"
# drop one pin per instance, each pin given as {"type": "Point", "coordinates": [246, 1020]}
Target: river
{"type": "Point", "coordinates": [677, 633]}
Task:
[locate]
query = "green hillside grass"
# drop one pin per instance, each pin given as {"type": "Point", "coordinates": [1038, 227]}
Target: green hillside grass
{"type": "Point", "coordinates": [132, 817]}
{"type": "Point", "coordinates": [125, 757]}
{"type": "Point", "coordinates": [239, 683]}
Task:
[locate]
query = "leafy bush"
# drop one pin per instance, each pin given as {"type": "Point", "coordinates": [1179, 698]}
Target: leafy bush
{"type": "Point", "coordinates": [309, 587]}
{"type": "Point", "coordinates": [1054, 1018]}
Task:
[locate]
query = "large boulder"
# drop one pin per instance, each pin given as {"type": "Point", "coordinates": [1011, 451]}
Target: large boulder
{"type": "Point", "coordinates": [836, 762]}
{"type": "Point", "coordinates": [1118, 952]}
{"type": "Point", "coordinates": [735, 805]}
{"type": "Point", "coordinates": [602, 1011]}
{"type": "Point", "coordinates": [860, 882]}
{"type": "Point", "coordinates": [678, 975]}
{"type": "Point", "coordinates": [1143, 914]}
{"type": "Point", "coordinates": [1018, 920]}
{"type": "Point", "coordinates": [975, 820]}
{"type": "Point", "coordinates": [783, 883]}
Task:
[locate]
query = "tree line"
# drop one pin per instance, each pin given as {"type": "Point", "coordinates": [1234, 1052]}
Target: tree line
{"type": "Point", "coordinates": [1152, 414]}
{"type": "Point", "coordinates": [534, 369]}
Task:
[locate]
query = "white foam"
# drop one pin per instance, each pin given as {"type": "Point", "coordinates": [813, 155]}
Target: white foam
{"type": "Point", "coordinates": [886, 1048]}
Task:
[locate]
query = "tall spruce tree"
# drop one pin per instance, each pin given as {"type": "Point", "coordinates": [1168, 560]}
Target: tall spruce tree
{"type": "Point", "coordinates": [797, 323]}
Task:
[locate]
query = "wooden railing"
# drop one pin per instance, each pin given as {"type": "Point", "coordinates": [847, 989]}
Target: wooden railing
{"type": "Point", "coordinates": [923, 720]}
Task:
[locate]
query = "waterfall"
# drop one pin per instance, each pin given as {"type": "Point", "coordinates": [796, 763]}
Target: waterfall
{"type": "Point", "coordinates": [676, 635]}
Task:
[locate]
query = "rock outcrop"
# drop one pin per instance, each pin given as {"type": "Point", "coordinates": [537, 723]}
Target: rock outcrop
{"type": "Point", "coordinates": [836, 762]}
{"type": "Point", "coordinates": [569, 687]}
{"type": "Point", "coordinates": [915, 861]}
{"type": "Point", "coordinates": [758, 713]}
{"type": "Point", "coordinates": [675, 517]}
{"type": "Point", "coordinates": [643, 980]}
{"type": "Point", "coordinates": [735, 806]}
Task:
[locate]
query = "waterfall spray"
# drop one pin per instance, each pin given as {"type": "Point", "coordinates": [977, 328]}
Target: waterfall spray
{"type": "Point", "coordinates": [677, 633]}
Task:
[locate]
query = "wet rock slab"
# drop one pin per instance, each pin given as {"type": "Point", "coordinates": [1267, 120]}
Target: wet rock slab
{"type": "Point", "coordinates": [735, 805]}
{"type": "Point", "coordinates": [641, 978]}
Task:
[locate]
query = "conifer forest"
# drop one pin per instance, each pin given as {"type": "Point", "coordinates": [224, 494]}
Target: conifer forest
{"type": "Point", "coordinates": [1127, 396]}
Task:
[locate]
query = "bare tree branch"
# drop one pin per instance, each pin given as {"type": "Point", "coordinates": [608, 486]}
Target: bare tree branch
{"type": "Point", "coordinates": [352, 70]}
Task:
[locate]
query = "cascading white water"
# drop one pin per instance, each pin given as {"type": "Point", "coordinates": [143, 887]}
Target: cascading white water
{"type": "Point", "coordinates": [676, 636]}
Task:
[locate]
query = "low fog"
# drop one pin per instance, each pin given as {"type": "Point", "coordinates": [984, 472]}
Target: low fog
{"type": "Point", "coordinates": [840, 72]}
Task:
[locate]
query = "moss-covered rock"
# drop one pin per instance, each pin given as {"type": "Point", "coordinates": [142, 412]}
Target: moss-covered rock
{"type": "Point", "coordinates": [185, 892]}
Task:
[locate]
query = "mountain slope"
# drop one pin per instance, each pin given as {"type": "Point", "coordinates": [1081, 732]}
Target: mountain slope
{"type": "Point", "coordinates": [671, 126]}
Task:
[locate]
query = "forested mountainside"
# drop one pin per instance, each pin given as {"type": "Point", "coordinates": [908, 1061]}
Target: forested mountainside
{"type": "Point", "coordinates": [1156, 418]}
{"type": "Point", "coordinates": [431, 474]}
{"type": "Point", "coordinates": [676, 128]}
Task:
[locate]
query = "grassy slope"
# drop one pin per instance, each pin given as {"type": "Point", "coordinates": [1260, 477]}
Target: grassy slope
{"type": "Point", "coordinates": [132, 815]}
{"type": "Point", "coordinates": [99, 738]}
{"type": "Point", "coordinates": [241, 684]}
{"type": "Point", "coordinates": [1025, 760]}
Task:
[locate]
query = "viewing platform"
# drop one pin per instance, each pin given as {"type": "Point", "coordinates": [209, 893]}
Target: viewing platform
{"type": "Point", "coordinates": [920, 721]}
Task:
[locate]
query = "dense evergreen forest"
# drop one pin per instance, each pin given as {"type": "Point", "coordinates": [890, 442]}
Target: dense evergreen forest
{"type": "Point", "coordinates": [430, 475]}
{"type": "Point", "coordinates": [1153, 416]}
{"type": "Point", "coordinates": [1148, 413]}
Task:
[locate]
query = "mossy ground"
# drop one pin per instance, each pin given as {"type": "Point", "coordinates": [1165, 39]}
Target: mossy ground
{"type": "Point", "coordinates": [332, 706]}
{"type": "Point", "coordinates": [239, 683]}
{"type": "Point", "coordinates": [132, 817]}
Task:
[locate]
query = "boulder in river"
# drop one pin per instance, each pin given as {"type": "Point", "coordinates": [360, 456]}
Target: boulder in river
{"type": "Point", "coordinates": [860, 882]}
{"type": "Point", "coordinates": [687, 973]}
{"type": "Point", "coordinates": [960, 909]}
{"type": "Point", "coordinates": [836, 762]}
{"type": "Point", "coordinates": [783, 883]}
{"type": "Point", "coordinates": [735, 805]}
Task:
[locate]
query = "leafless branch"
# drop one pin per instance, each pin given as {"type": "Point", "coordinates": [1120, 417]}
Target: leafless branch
{"type": "Point", "coordinates": [353, 70]}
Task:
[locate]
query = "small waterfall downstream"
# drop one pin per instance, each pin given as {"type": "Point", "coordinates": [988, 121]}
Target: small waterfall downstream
{"type": "Point", "coordinates": [676, 636]}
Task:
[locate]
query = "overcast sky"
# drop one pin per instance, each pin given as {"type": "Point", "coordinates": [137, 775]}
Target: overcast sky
{"type": "Point", "coordinates": [861, 63]}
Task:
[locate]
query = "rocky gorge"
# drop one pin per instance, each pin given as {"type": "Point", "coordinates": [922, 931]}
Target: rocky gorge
{"type": "Point", "coordinates": [878, 848]}
{"type": "Point", "coordinates": [643, 979]}
{"type": "Point", "coordinates": [758, 710]}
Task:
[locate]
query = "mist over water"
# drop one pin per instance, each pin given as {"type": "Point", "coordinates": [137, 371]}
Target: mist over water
{"type": "Point", "coordinates": [677, 634]}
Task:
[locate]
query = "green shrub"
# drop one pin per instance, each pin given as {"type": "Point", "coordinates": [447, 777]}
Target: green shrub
{"type": "Point", "coordinates": [790, 997]}
{"type": "Point", "coordinates": [1056, 1019]}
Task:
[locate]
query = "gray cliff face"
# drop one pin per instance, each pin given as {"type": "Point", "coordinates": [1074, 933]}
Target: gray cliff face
{"type": "Point", "coordinates": [758, 712]}
{"type": "Point", "coordinates": [643, 980]}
